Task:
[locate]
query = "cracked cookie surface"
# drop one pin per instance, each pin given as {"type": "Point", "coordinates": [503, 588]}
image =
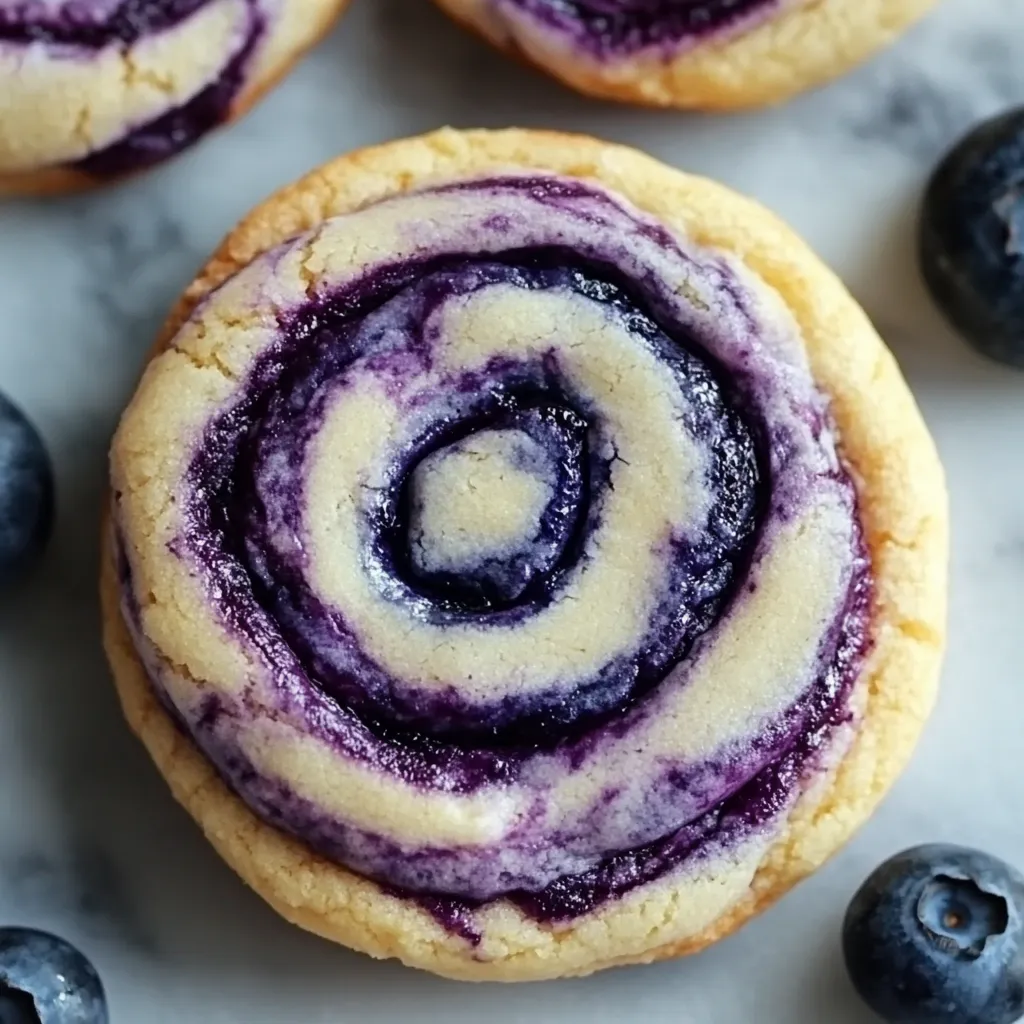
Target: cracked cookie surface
{"type": "Point", "coordinates": [457, 580]}
{"type": "Point", "coordinates": [92, 91]}
{"type": "Point", "coordinates": [699, 54]}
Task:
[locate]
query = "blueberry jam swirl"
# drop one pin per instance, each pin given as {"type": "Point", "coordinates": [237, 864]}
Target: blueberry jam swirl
{"type": "Point", "coordinates": [92, 26]}
{"type": "Point", "coordinates": [106, 33]}
{"type": "Point", "coordinates": [619, 28]}
{"type": "Point", "coordinates": [499, 549]}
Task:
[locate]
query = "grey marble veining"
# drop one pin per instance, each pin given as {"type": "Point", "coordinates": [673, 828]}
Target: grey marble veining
{"type": "Point", "coordinates": [91, 844]}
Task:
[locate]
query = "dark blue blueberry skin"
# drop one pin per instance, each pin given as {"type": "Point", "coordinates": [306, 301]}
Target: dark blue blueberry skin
{"type": "Point", "coordinates": [936, 936]}
{"type": "Point", "coordinates": [26, 493]}
{"type": "Point", "coordinates": [45, 980]}
{"type": "Point", "coordinates": [972, 237]}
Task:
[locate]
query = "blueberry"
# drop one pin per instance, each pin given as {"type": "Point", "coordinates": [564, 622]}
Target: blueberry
{"type": "Point", "coordinates": [45, 980]}
{"type": "Point", "coordinates": [972, 237]}
{"type": "Point", "coordinates": [936, 936]}
{"type": "Point", "coordinates": [26, 493]}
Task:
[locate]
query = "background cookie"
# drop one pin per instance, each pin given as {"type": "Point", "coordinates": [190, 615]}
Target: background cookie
{"type": "Point", "coordinates": [812, 745]}
{"type": "Point", "coordinates": [90, 92]}
{"type": "Point", "coordinates": [703, 54]}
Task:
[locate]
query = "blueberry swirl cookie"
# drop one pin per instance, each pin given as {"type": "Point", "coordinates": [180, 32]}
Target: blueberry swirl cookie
{"type": "Point", "coordinates": [703, 54]}
{"type": "Point", "coordinates": [524, 558]}
{"type": "Point", "coordinates": [93, 89]}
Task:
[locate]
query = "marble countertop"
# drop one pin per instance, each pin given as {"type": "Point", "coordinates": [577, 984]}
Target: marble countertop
{"type": "Point", "coordinates": [91, 844]}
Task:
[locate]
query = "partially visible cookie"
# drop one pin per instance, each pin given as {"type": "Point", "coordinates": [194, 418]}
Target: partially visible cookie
{"type": "Point", "coordinates": [699, 54]}
{"type": "Point", "coordinates": [95, 90]}
{"type": "Point", "coordinates": [525, 558]}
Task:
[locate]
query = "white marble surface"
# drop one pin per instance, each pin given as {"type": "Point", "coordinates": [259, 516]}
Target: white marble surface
{"type": "Point", "coordinates": [91, 844]}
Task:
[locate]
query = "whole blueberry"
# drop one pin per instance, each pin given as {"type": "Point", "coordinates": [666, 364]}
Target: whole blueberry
{"type": "Point", "coordinates": [45, 980]}
{"type": "Point", "coordinates": [936, 936]}
{"type": "Point", "coordinates": [972, 237]}
{"type": "Point", "coordinates": [26, 492]}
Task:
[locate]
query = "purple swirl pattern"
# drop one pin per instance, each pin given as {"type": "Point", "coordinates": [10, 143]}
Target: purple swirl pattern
{"type": "Point", "coordinates": [521, 528]}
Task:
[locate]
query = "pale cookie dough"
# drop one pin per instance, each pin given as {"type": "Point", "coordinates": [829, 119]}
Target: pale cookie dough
{"type": "Point", "coordinates": [524, 558]}
{"type": "Point", "coordinates": [695, 54]}
{"type": "Point", "coordinates": [92, 91]}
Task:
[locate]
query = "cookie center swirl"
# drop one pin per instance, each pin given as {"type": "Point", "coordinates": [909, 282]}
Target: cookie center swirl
{"type": "Point", "coordinates": [521, 538]}
{"type": "Point", "coordinates": [490, 516]}
{"type": "Point", "coordinates": [521, 502]}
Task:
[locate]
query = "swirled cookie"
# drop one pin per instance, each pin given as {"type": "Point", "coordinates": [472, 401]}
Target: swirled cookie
{"type": "Point", "coordinates": [703, 54]}
{"type": "Point", "coordinates": [91, 91]}
{"type": "Point", "coordinates": [525, 558]}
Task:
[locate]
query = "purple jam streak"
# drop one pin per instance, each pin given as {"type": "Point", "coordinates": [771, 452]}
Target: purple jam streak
{"type": "Point", "coordinates": [80, 27]}
{"type": "Point", "coordinates": [176, 130]}
{"type": "Point", "coordinates": [618, 28]}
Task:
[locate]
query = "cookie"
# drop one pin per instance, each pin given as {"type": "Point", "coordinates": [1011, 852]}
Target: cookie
{"type": "Point", "coordinates": [524, 558]}
{"type": "Point", "coordinates": [699, 54]}
{"type": "Point", "coordinates": [93, 91]}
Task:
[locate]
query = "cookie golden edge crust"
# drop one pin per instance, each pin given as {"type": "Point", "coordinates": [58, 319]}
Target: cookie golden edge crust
{"type": "Point", "coordinates": [55, 181]}
{"type": "Point", "coordinates": [794, 51]}
{"type": "Point", "coordinates": [903, 507]}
